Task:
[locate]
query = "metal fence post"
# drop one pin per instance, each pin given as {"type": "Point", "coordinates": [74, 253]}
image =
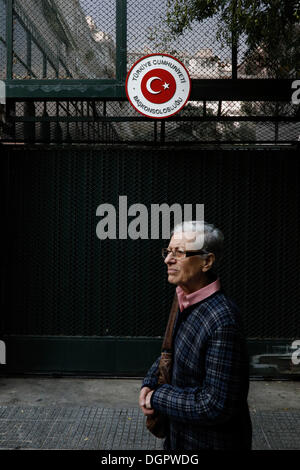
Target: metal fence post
{"type": "Point", "coordinates": [121, 40]}
{"type": "Point", "coordinates": [9, 39]}
{"type": "Point", "coordinates": [234, 44]}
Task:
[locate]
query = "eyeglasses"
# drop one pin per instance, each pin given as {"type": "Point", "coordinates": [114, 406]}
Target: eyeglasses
{"type": "Point", "coordinates": [178, 253]}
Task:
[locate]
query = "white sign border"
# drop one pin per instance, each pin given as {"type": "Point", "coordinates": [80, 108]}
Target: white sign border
{"type": "Point", "coordinates": [148, 103]}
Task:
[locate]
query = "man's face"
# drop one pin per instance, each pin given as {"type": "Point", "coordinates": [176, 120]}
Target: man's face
{"type": "Point", "coordinates": [184, 271]}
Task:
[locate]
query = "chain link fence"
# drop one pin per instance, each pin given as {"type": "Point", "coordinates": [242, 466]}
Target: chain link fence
{"type": "Point", "coordinates": [78, 39]}
{"type": "Point", "coordinates": [63, 280]}
{"type": "Point", "coordinates": [60, 280]}
{"type": "Point", "coordinates": [59, 39]}
{"type": "Point", "coordinates": [117, 122]}
{"type": "Point", "coordinates": [198, 47]}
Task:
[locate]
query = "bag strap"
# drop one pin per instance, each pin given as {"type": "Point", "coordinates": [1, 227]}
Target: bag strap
{"type": "Point", "coordinates": [167, 342]}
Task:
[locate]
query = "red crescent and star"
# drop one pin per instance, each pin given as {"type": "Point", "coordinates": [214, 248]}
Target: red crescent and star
{"type": "Point", "coordinates": [158, 86]}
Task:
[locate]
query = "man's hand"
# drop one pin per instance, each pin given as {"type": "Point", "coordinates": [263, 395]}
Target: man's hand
{"type": "Point", "coordinates": [144, 401]}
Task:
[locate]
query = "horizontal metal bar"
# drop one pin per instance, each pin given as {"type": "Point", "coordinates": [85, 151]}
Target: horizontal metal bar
{"type": "Point", "coordinates": [64, 89]}
{"type": "Point", "coordinates": [256, 143]}
{"type": "Point", "coordinates": [206, 89]}
{"type": "Point", "coordinates": [70, 118]}
{"type": "Point", "coordinates": [226, 145]}
{"type": "Point", "coordinates": [115, 355]}
{"type": "Point", "coordinates": [242, 89]}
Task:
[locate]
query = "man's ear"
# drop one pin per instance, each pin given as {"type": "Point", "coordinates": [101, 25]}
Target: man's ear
{"type": "Point", "coordinates": [209, 261]}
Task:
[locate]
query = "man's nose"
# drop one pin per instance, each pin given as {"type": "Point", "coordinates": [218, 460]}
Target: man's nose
{"type": "Point", "coordinates": [170, 259]}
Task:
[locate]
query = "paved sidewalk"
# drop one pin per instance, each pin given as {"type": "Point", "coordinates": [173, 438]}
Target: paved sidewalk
{"type": "Point", "coordinates": [71, 413]}
{"type": "Point", "coordinates": [115, 429]}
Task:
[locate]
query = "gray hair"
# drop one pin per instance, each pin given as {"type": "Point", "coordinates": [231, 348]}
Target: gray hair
{"type": "Point", "coordinates": [212, 238]}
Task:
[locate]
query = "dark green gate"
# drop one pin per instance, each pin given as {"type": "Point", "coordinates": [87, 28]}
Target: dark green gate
{"type": "Point", "coordinates": [76, 304]}
{"type": "Point", "coordinates": [70, 141]}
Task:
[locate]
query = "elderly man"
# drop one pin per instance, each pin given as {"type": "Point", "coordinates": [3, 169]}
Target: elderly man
{"type": "Point", "coordinates": [206, 401]}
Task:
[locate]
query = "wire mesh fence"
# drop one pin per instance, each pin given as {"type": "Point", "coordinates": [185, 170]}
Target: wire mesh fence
{"type": "Point", "coordinates": [60, 39]}
{"type": "Point", "coordinates": [78, 39]}
{"type": "Point", "coordinates": [102, 121]}
{"type": "Point", "coordinates": [61, 279]}
{"type": "Point", "coordinates": [197, 48]}
{"type": "Point", "coordinates": [73, 284]}
{"type": "Point", "coordinates": [3, 17]}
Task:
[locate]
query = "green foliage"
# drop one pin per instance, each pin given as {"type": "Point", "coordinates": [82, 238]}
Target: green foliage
{"type": "Point", "coordinates": [271, 27]}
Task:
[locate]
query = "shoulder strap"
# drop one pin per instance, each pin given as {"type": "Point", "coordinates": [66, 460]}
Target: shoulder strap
{"type": "Point", "coordinates": [167, 342]}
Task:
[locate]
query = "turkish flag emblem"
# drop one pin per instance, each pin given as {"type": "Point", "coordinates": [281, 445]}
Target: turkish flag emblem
{"type": "Point", "coordinates": [158, 86]}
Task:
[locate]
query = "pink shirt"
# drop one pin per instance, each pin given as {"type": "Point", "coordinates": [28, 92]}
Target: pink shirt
{"type": "Point", "coordinates": [185, 300]}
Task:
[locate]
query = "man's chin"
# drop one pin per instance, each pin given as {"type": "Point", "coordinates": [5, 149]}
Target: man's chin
{"type": "Point", "coordinates": [172, 279]}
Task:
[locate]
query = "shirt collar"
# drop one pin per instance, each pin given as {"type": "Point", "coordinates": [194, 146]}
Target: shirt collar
{"type": "Point", "coordinates": [186, 300]}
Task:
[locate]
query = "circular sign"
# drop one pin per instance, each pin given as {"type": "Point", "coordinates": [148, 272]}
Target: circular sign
{"type": "Point", "coordinates": [158, 86]}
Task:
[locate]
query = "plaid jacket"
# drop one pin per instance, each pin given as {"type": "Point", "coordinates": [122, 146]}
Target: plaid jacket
{"type": "Point", "coordinates": [206, 401]}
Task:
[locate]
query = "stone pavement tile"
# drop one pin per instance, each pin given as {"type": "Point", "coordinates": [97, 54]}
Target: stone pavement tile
{"type": "Point", "coordinates": [74, 428]}
{"type": "Point", "coordinates": [281, 429]}
{"type": "Point", "coordinates": [79, 427]}
{"type": "Point", "coordinates": [259, 440]}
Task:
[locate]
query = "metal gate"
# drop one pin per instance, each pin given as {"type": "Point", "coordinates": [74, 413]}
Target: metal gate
{"type": "Point", "coordinates": [75, 304]}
